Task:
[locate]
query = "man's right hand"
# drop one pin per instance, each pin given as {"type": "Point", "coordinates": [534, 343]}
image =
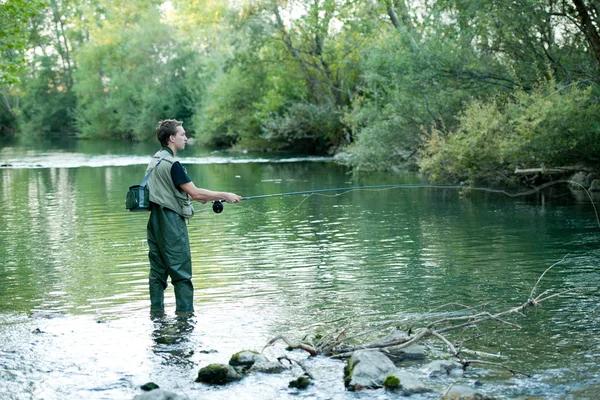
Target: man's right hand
{"type": "Point", "coordinates": [231, 197]}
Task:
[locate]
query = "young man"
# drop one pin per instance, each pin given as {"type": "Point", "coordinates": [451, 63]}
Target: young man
{"type": "Point", "coordinates": [171, 192]}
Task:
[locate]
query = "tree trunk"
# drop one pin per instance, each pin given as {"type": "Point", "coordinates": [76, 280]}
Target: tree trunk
{"type": "Point", "coordinates": [402, 23]}
{"type": "Point", "coordinates": [589, 29]}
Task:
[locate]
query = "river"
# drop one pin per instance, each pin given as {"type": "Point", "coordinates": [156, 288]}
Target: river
{"type": "Point", "coordinates": [74, 308]}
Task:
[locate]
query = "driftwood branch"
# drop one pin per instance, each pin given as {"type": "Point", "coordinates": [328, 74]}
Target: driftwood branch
{"type": "Point", "coordinates": [299, 363]}
{"type": "Point", "coordinates": [502, 366]}
{"type": "Point", "coordinates": [337, 343]}
{"type": "Point", "coordinates": [294, 345]}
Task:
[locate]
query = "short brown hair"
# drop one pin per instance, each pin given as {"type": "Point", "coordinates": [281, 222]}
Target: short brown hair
{"type": "Point", "coordinates": [165, 129]}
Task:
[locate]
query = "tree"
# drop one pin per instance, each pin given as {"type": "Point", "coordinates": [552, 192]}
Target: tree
{"type": "Point", "coordinates": [15, 16]}
{"type": "Point", "coordinates": [132, 73]}
{"type": "Point", "coordinates": [588, 15]}
{"type": "Point", "coordinates": [300, 74]}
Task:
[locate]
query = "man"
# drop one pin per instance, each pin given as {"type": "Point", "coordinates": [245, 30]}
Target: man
{"type": "Point", "coordinates": [171, 192]}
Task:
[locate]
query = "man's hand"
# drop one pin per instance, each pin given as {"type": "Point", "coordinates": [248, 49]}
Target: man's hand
{"type": "Point", "coordinates": [204, 195]}
{"type": "Point", "coordinates": [231, 197]}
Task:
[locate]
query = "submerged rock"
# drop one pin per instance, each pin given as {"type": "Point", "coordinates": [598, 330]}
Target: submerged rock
{"type": "Point", "coordinates": [159, 394]}
{"type": "Point", "coordinates": [395, 336]}
{"type": "Point", "coordinates": [218, 374]}
{"type": "Point", "coordinates": [367, 369]}
{"type": "Point", "coordinates": [409, 384]}
{"type": "Point", "coordinates": [464, 393]}
{"type": "Point", "coordinates": [301, 383]}
{"type": "Point", "coordinates": [268, 367]}
{"type": "Point", "coordinates": [412, 352]}
{"type": "Point", "coordinates": [443, 367]}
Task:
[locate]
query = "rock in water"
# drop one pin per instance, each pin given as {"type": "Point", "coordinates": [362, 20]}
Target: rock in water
{"type": "Point", "coordinates": [217, 374]}
{"type": "Point", "coordinates": [367, 369]}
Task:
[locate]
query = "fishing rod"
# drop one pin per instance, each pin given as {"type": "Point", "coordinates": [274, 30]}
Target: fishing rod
{"type": "Point", "coordinates": [218, 204]}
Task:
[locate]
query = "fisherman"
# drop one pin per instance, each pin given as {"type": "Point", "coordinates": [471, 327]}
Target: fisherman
{"type": "Point", "coordinates": [171, 192]}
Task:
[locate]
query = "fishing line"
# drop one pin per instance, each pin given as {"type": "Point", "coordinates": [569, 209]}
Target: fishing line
{"type": "Point", "coordinates": [218, 204]}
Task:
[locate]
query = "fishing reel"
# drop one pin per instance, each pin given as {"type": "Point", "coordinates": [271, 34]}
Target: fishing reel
{"type": "Point", "coordinates": [218, 206]}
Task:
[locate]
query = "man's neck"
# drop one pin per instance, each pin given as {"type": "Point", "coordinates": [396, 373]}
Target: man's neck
{"type": "Point", "coordinates": [172, 148]}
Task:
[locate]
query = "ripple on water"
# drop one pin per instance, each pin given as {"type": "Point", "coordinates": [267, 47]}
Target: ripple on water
{"type": "Point", "coordinates": [290, 266]}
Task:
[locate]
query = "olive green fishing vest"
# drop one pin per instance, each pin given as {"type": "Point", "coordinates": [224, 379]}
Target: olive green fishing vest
{"type": "Point", "coordinates": [162, 190]}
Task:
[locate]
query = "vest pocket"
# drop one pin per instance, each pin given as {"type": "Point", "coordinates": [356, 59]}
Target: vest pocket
{"type": "Point", "coordinates": [187, 209]}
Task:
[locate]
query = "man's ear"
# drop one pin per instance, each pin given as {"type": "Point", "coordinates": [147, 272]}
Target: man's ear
{"type": "Point", "coordinates": [172, 139]}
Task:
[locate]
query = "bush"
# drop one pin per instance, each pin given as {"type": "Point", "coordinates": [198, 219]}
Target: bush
{"type": "Point", "coordinates": [304, 127]}
{"type": "Point", "coordinates": [550, 126]}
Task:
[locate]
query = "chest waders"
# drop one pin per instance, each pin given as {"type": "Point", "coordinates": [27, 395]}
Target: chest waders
{"type": "Point", "coordinates": [169, 255]}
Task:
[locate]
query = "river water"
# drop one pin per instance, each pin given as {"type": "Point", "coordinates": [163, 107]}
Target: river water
{"type": "Point", "coordinates": [74, 308]}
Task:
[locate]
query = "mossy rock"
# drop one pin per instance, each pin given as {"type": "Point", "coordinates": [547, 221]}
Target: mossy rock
{"type": "Point", "coordinates": [348, 373]}
{"type": "Point", "coordinates": [301, 383]}
{"type": "Point", "coordinates": [391, 382]}
{"type": "Point", "coordinates": [246, 358]}
{"type": "Point", "coordinates": [149, 386]}
{"type": "Point", "coordinates": [217, 374]}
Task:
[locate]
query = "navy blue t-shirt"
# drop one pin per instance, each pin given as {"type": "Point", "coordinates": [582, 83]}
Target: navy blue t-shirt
{"type": "Point", "coordinates": [179, 174]}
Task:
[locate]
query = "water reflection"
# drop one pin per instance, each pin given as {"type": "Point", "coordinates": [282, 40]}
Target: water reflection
{"type": "Point", "coordinates": [172, 338]}
{"type": "Point", "coordinates": [276, 266]}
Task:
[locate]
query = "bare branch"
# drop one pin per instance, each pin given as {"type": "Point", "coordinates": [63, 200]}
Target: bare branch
{"type": "Point", "coordinates": [541, 276]}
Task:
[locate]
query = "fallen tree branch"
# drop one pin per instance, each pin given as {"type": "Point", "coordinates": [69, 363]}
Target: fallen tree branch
{"type": "Point", "coordinates": [336, 343]}
{"type": "Point", "coordinates": [512, 371]}
{"type": "Point", "coordinates": [299, 363]}
{"type": "Point", "coordinates": [294, 345]}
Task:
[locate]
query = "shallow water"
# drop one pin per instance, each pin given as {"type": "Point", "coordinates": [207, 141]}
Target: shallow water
{"type": "Point", "coordinates": [74, 310]}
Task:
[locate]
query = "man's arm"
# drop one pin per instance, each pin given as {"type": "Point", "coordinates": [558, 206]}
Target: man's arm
{"type": "Point", "coordinates": [205, 195]}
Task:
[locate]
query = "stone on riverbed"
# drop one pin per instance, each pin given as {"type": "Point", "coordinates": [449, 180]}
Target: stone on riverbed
{"type": "Point", "coordinates": [367, 369]}
{"type": "Point", "coordinates": [149, 386]}
{"type": "Point", "coordinates": [246, 358]}
{"type": "Point", "coordinates": [443, 368]}
{"type": "Point", "coordinates": [397, 336]}
{"type": "Point", "coordinates": [408, 383]}
{"type": "Point", "coordinates": [464, 393]}
{"type": "Point", "coordinates": [267, 367]}
{"type": "Point", "coordinates": [412, 352]}
{"type": "Point", "coordinates": [159, 394]}
{"type": "Point", "coordinates": [300, 383]}
{"type": "Point", "coordinates": [218, 374]}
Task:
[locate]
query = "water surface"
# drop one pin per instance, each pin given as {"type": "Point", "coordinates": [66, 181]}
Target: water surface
{"type": "Point", "coordinates": [74, 309]}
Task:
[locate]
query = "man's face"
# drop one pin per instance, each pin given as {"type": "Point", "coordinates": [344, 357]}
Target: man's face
{"type": "Point", "coordinates": [179, 138]}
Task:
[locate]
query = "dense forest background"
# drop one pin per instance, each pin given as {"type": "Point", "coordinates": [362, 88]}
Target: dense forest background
{"type": "Point", "coordinates": [465, 90]}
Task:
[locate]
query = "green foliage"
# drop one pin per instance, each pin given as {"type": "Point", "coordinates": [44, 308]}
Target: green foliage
{"type": "Point", "coordinates": [15, 16]}
{"type": "Point", "coordinates": [226, 113]}
{"type": "Point", "coordinates": [372, 81]}
{"type": "Point", "coordinates": [550, 126]}
{"type": "Point", "coordinates": [47, 104]}
{"type": "Point", "coordinates": [303, 127]}
{"type": "Point", "coordinates": [131, 75]}
{"type": "Point", "coordinates": [281, 88]}
{"type": "Point", "coordinates": [532, 38]}
{"type": "Point", "coordinates": [406, 90]}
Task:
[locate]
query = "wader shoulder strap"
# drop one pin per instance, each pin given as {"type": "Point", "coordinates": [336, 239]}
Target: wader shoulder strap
{"type": "Point", "coordinates": [147, 177]}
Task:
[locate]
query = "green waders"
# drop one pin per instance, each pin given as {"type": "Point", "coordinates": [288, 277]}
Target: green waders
{"type": "Point", "coordinates": [169, 256]}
